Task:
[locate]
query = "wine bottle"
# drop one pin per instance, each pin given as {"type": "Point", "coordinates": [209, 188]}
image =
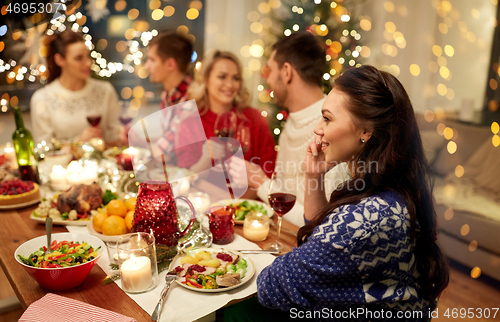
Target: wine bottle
{"type": "Point", "coordinates": [24, 146]}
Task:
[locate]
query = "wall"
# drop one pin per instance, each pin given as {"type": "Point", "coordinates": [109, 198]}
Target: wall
{"type": "Point", "coordinates": [465, 25]}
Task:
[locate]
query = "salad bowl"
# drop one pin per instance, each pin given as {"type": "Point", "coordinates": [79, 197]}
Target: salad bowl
{"type": "Point", "coordinates": [59, 278]}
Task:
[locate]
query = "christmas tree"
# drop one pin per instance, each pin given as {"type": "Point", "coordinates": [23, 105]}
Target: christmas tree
{"type": "Point", "coordinates": [333, 22]}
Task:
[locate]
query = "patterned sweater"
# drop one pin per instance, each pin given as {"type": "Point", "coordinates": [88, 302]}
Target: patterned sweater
{"type": "Point", "coordinates": [359, 259]}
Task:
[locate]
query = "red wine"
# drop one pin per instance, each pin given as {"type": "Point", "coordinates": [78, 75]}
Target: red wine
{"type": "Point", "coordinates": [223, 133]}
{"type": "Point", "coordinates": [29, 173]}
{"type": "Point", "coordinates": [282, 203]}
{"type": "Point", "coordinates": [94, 120]}
{"type": "Point", "coordinates": [125, 120]}
{"type": "Point", "coordinates": [24, 147]}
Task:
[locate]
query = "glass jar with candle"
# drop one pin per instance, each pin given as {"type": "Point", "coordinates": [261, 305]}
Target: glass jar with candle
{"type": "Point", "coordinates": [137, 262]}
{"type": "Point", "coordinates": [256, 227]}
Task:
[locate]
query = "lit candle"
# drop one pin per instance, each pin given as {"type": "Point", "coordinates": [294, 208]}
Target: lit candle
{"type": "Point", "coordinates": [74, 178]}
{"type": "Point", "coordinates": [200, 201]}
{"type": "Point", "coordinates": [89, 174]}
{"type": "Point", "coordinates": [136, 274]}
{"type": "Point", "coordinates": [256, 227]}
{"type": "Point", "coordinates": [10, 155]}
{"type": "Point", "coordinates": [58, 178]}
{"type": "Point", "coordinates": [183, 187]}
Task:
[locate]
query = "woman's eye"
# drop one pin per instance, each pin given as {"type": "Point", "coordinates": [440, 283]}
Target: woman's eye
{"type": "Point", "coordinates": [222, 76]}
{"type": "Point", "coordinates": [326, 119]}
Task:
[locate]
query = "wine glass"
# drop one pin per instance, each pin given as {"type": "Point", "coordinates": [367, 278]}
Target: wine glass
{"type": "Point", "coordinates": [225, 125]}
{"type": "Point", "coordinates": [94, 119]}
{"type": "Point", "coordinates": [282, 194]}
{"type": "Point", "coordinates": [243, 136]}
{"type": "Point", "coordinates": [125, 118]}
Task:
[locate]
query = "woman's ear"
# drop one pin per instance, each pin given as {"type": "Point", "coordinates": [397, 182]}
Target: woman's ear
{"type": "Point", "coordinates": [367, 134]}
{"type": "Point", "coordinates": [59, 60]}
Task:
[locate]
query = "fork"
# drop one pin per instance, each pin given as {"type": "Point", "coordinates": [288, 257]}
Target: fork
{"type": "Point", "coordinates": [169, 278]}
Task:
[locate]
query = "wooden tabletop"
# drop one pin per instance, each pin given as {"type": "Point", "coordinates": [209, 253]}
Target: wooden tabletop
{"type": "Point", "coordinates": [16, 228]}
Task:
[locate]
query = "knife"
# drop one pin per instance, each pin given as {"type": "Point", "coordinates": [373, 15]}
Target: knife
{"type": "Point", "coordinates": [259, 251]}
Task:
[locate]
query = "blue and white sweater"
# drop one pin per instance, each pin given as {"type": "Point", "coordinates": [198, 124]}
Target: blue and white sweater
{"type": "Point", "coordinates": [360, 257]}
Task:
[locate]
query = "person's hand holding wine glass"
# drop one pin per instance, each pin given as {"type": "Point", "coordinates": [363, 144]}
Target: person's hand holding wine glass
{"type": "Point", "coordinates": [282, 195]}
{"type": "Point", "coordinates": [93, 131]}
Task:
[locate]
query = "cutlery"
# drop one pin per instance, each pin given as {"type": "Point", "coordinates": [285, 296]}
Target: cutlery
{"type": "Point", "coordinates": [48, 231]}
{"type": "Point", "coordinates": [259, 251]}
{"type": "Point", "coordinates": [169, 278]}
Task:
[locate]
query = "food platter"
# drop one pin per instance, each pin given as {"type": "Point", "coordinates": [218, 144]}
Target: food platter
{"type": "Point", "coordinates": [104, 238]}
{"type": "Point", "coordinates": [227, 202]}
{"type": "Point", "coordinates": [61, 221]}
{"type": "Point", "coordinates": [248, 275]}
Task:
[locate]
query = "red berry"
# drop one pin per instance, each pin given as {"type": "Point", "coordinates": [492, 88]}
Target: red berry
{"type": "Point", "coordinates": [10, 193]}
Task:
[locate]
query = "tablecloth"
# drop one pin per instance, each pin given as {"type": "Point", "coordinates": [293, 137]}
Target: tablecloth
{"type": "Point", "coordinates": [186, 305]}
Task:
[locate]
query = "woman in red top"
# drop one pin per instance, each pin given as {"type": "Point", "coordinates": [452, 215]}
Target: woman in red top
{"type": "Point", "coordinates": [217, 89]}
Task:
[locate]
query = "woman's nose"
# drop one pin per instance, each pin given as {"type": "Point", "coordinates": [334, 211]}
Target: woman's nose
{"type": "Point", "coordinates": [318, 130]}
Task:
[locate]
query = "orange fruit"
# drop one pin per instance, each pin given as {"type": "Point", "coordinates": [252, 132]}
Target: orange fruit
{"type": "Point", "coordinates": [130, 203]}
{"type": "Point", "coordinates": [116, 208]}
{"type": "Point", "coordinates": [98, 219]}
{"type": "Point", "coordinates": [129, 219]}
{"type": "Point", "coordinates": [114, 225]}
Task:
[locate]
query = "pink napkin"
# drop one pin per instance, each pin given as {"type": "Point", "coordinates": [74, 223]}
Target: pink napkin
{"type": "Point", "coordinates": [56, 308]}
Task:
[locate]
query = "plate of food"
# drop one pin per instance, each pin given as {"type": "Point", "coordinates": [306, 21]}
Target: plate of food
{"type": "Point", "coordinates": [244, 207]}
{"type": "Point", "coordinates": [212, 270]}
{"type": "Point", "coordinates": [104, 238]}
{"type": "Point", "coordinates": [72, 207]}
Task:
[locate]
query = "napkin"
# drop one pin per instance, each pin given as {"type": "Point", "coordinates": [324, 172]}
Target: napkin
{"type": "Point", "coordinates": [56, 308]}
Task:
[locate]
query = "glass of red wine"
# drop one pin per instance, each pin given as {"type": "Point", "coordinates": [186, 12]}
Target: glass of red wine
{"type": "Point", "coordinates": [243, 136]}
{"type": "Point", "coordinates": [94, 120]}
{"type": "Point", "coordinates": [225, 125]}
{"type": "Point", "coordinates": [282, 195]}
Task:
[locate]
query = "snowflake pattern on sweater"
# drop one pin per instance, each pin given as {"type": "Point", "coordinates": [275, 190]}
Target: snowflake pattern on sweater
{"type": "Point", "coordinates": [359, 257]}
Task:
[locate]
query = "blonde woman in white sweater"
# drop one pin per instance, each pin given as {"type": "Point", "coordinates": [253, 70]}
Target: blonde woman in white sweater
{"type": "Point", "coordinates": [295, 76]}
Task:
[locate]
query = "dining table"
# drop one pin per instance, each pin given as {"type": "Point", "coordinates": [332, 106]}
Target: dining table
{"type": "Point", "coordinates": [16, 227]}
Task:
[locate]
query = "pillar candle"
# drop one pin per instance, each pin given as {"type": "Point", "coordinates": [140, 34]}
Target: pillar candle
{"type": "Point", "coordinates": [136, 274]}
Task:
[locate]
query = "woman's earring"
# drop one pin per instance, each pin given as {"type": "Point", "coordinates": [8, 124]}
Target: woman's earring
{"type": "Point", "coordinates": [362, 140]}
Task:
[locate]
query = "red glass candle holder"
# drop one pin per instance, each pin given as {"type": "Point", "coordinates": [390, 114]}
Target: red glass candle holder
{"type": "Point", "coordinates": [221, 221]}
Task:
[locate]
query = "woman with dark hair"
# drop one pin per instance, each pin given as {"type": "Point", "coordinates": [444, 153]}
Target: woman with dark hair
{"type": "Point", "coordinates": [372, 248]}
{"type": "Point", "coordinates": [60, 109]}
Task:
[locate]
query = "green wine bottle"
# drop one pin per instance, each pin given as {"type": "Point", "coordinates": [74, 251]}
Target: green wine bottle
{"type": "Point", "coordinates": [24, 146]}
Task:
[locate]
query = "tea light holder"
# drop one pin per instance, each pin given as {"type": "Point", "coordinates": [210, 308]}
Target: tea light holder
{"type": "Point", "coordinates": [201, 202]}
{"type": "Point", "coordinates": [256, 227]}
{"type": "Point", "coordinates": [137, 262]}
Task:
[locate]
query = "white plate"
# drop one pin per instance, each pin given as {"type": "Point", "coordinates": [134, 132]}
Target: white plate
{"type": "Point", "coordinates": [20, 205]}
{"type": "Point", "coordinates": [104, 238]}
{"type": "Point", "coordinates": [248, 275]}
{"type": "Point", "coordinates": [61, 221]}
{"type": "Point", "coordinates": [227, 202]}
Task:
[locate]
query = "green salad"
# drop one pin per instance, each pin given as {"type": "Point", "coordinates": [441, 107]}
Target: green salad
{"type": "Point", "coordinates": [246, 207]}
{"type": "Point", "coordinates": [61, 254]}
